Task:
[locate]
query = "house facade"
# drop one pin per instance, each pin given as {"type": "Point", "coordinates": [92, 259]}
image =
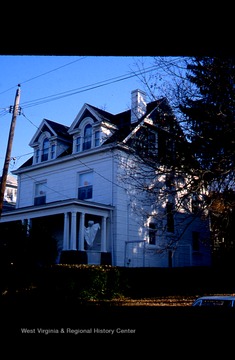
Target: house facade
{"type": "Point", "coordinates": [75, 185]}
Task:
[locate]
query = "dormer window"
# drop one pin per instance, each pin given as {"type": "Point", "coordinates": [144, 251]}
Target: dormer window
{"type": "Point", "coordinates": [87, 137]}
{"type": "Point", "coordinates": [50, 141]}
{"type": "Point", "coordinates": [97, 138]}
{"type": "Point", "coordinates": [78, 144]}
{"type": "Point", "coordinates": [52, 151]}
{"type": "Point", "coordinates": [45, 150]}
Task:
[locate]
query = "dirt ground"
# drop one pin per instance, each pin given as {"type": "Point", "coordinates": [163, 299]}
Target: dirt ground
{"type": "Point", "coordinates": [158, 301]}
{"type": "Point", "coordinates": [179, 300]}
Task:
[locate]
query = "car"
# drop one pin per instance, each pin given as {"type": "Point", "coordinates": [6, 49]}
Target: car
{"type": "Point", "coordinates": [215, 300]}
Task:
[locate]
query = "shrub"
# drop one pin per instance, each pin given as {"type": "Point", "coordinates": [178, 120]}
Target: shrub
{"type": "Point", "coordinates": [84, 282]}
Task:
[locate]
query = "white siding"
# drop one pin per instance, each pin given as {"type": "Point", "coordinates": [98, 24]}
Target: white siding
{"type": "Point", "coordinates": [128, 227]}
{"type": "Point", "coordinates": [62, 180]}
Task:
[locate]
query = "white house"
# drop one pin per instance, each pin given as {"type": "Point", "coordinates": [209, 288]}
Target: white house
{"type": "Point", "coordinates": [75, 183]}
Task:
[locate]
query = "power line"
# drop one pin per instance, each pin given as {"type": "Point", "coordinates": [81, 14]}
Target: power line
{"type": "Point", "coordinates": [86, 88]}
{"type": "Point", "coordinates": [80, 89]}
{"type": "Point", "coordinates": [96, 85]}
{"type": "Point", "coordinates": [47, 72]}
{"type": "Point", "coordinates": [93, 86]}
{"type": "Point", "coordinates": [58, 96]}
{"type": "Point", "coordinates": [50, 71]}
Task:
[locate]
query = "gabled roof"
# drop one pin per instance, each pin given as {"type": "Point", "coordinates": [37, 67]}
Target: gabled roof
{"type": "Point", "coordinates": [54, 128]}
{"type": "Point", "coordinates": [91, 111]}
{"type": "Point", "coordinates": [101, 114]}
{"type": "Point", "coordinates": [158, 113]}
{"type": "Point", "coordinates": [59, 129]}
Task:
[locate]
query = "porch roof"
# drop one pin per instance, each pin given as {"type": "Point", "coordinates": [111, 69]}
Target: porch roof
{"type": "Point", "coordinates": [57, 207]}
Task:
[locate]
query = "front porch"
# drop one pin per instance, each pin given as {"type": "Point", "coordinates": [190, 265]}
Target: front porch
{"type": "Point", "coordinates": [82, 229]}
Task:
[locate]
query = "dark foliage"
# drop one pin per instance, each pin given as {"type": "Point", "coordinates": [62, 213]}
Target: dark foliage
{"type": "Point", "coordinates": [210, 114]}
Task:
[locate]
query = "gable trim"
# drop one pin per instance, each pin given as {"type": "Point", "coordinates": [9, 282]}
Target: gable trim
{"type": "Point", "coordinates": [39, 132]}
{"type": "Point", "coordinates": [79, 116]}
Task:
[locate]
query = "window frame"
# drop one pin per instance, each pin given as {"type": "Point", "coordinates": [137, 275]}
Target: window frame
{"type": "Point", "coordinates": [152, 229]}
{"type": "Point", "coordinates": [87, 138]}
{"type": "Point", "coordinates": [42, 153]}
{"type": "Point", "coordinates": [45, 150]}
{"type": "Point", "coordinates": [87, 189]}
{"type": "Point", "coordinates": [41, 198]}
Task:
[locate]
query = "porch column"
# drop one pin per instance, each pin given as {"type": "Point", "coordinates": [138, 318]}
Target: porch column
{"type": "Point", "coordinates": [73, 245]}
{"type": "Point", "coordinates": [81, 232]}
{"type": "Point", "coordinates": [103, 234]}
{"type": "Point", "coordinates": [66, 232]}
{"type": "Point", "coordinates": [29, 226]}
{"type": "Point", "coordinates": [27, 223]}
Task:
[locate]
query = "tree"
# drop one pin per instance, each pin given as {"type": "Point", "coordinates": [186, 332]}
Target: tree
{"type": "Point", "coordinates": [200, 92]}
{"type": "Point", "coordinates": [210, 116]}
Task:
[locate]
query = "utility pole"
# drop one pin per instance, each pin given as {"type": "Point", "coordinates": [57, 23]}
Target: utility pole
{"type": "Point", "coordinates": [9, 147]}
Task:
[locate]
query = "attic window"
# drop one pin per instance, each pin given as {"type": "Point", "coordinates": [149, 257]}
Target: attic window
{"type": "Point", "coordinates": [45, 150]}
{"type": "Point", "coordinates": [52, 151]}
{"type": "Point", "coordinates": [87, 137]}
{"type": "Point", "coordinates": [97, 138]}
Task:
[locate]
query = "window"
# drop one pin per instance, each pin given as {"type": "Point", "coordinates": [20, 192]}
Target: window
{"type": "Point", "coordinates": [45, 150]}
{"type": "Point", "coordinates": [87, 137]}
{"type": "Point", "coordinates": [85, 190]}
{"type": "Point", "coordinates": [40, 193]}
{"type": "Point", "coordinates": [170, 217]}
{"type": "Point", "coordinates": [10, 194]}
{"type": "Point", "coordinates": [78, 144]}
{"type": "Point", "coordinates": [152, 234]}
{"type": "Point", "coordinates": [97, 138]}
{"type": "Point", "coordinates": [52, 151]}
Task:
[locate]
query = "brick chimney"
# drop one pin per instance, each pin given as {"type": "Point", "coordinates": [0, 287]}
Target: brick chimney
{"type": "Point", "coordinates": [138, 105]}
